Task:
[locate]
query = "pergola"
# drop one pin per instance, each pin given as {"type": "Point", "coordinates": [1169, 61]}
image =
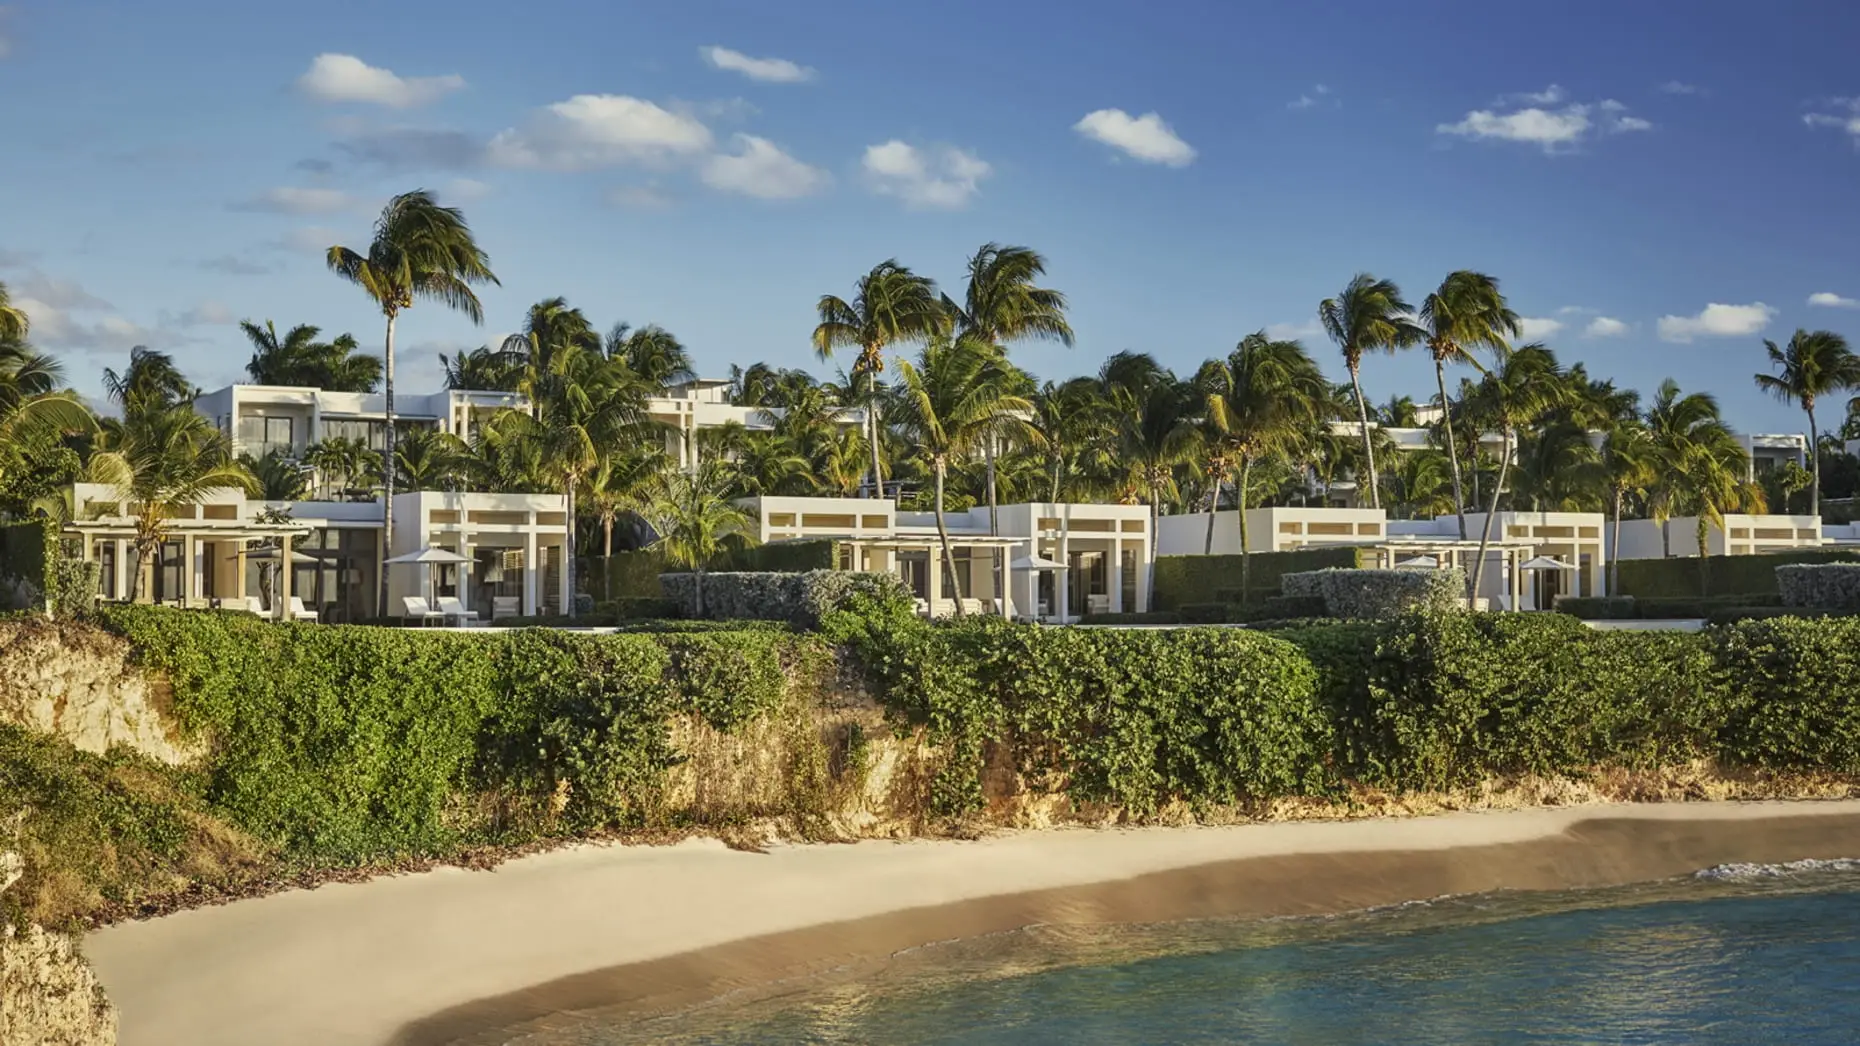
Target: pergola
{"type": "Point", "coordinates": [997, 546]}
{"type": "Point", "coordinates": [1452, 552]}
{"type": "Point", "coordinates": [191, 533]}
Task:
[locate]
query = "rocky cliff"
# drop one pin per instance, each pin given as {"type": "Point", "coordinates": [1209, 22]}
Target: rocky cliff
{"type": "Point", "coordinates": [49, 996]}
{"type": "Point", "coordinates": [77, 683]}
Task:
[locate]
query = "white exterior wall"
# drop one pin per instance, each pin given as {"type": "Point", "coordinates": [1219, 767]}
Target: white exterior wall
{"type": "Point", "coordinates": [1576, 538]}
{"type": "Point", "coordinates": [1276, 529]}
{"type": "Point", "coordinates": [1642, 538]}
{"type": "Point", "coordinates": [454, 411]}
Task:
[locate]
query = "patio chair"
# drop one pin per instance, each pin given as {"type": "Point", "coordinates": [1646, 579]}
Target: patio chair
{"type": "Point", "coordinates": [452, 609]}
{"type": "Point", "coordinates": [416, 607]}
{"type": "Point", "coordinates": [504, 606]}
{"type": "Point", "coordinates": [301, 613]}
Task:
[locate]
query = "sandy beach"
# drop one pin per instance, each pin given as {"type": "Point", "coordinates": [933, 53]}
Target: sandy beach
{"type": "Point", "coordinates": [424, 959]}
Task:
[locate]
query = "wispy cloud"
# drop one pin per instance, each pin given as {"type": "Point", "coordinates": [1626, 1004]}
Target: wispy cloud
{"type": "Point", "coordinates": [1680, 87]}
{"type": "Point", "coordinates": [1841, 113]}
{"type": "Point", "coordinates": [767, 70]}
{"type": "Point", "coordinates": [639, 197]}
{"type": "Point", "coordinates": [600, 130]}
{"type": "Point", "coordinates": [1604, 327]}
{"type": "Point", "coordinates": [1146, 138]}
{"type": "Point", "coordinates": [760, 168]}
{"type": "Point", "coordinates": [292, 199]}
{"type": "Point", "coordinates": [1555, 130]}
{"type": "Point", "coordinates": [936, 177]}
{"type": "Point", "coordinates": [233, 265]}
{"type": "Point", "coordinates": [346, 78]}
{"type": "Point", "coordinates": [1830, 300]}
{"type": "Point", "coordinates": [1318, 95]}
{"type": "Point", "coordinates": [1535, 328]}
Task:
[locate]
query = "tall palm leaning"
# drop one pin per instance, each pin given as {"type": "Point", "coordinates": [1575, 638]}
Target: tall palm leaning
{"type": "Point", "coordinates": [1466, 312]}
{"type": "Point", "coordinates": [893, 306]}
{"type": "Point", "coordinates": [1677, 422]}
{"type": "Point", "coordinates": [622, 482]}
{"type": "Point", "coordinates": [1524, 385]}
{"type": "Point", "coordinates": [31, 403]}
{"type": "Point", "coordinates": [1812, 365]}
{"type": "Point", "coordinates": [697, 520]}
{"type": "Point", "coordinates": [298, 358]}
{"type": "Point", "coordinates": [958, 393]}
{"type": "Point", "coordinates": [1369, 316]}
{"type": "Point", "coordinates": [420, 251]}
{"type": "Point", "coordinates": [14, 324]}
{"type": "Point", "coordinates": [1629, 465]}
{"type": "Point", "coordinates": [1263, 399]}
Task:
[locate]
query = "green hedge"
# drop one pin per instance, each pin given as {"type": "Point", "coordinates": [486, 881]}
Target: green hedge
{"type": "Point", "coordinates": [1792, 686]}
{"type": "Point", "coordinates": [624, 575]}
{"type": "Point", "coordinates": [36, 573]}
{"type": "Point", "coordinates": [1719, 576]}
{"type": "Point", "coordinates": [1216, 579]}
{"type": "Point", "coordinates": [1376, 594]}
{"type": "Point", "coordinates": [781, 557]}
{"type": "Point", "coordinates": [1598, 608]}
{"type": "Point", "coordinates": [351, 743]}
{"type": "Point", "coordinates": [1148, 617]}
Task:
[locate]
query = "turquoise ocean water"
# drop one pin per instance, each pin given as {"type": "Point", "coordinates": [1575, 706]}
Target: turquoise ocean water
{"type": "Point", "coordinates": [1733, 956]}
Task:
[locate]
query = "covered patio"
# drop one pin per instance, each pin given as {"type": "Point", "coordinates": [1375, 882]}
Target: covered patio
{"type": "Point", "coordinates": [918, 560]}
{"type": "Point", "coordinates": [1512, 571]}
{"type": "Point", "coordinates": [200, 562]}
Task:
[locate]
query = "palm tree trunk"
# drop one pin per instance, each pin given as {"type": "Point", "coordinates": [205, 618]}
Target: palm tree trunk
{"type": "Point", "coordinates": [607, 555]}
{"type": "Point", "coordinates": [698, 586]}
{"type": "Point", "coordinates": [1246, 558]}
{"type": "Point", "coordinates": [387, 462]}
{"type": "Point", "coordinates": [994, 523]}
{"type": "Point", "coordinates": [1485, 538]}
{"type": "Point", "coordinates": [949, 556]}
{"type": "Point", "coordinates": [1369, 450]}
{"type": "Point", "coordinates": [878, 472]}
{"type": "Point", "coordinates": [1814, 471]}
{"type": "Point", "coordinates": [1057, 465]}
{"type": "Point", "coordinates": [1214, 509]}
{"type": "Point", "coordinates": [135, 576]}
{"type": "Point", "coordinates": [568, 543]}
{"type": "Point", "coordinates": [1453, 447]}
{"type": "Point", "coordinates": [1614, 561]}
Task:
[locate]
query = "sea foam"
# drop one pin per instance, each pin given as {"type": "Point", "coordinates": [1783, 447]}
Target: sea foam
{"type": "Point", "coordinates": [1778, 871]}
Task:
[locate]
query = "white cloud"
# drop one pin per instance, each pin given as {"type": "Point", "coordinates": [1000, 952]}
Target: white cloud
{"type": "Point", "coordinates": [1554, 130]}
{"type": "Point", "coordinates": [233, 265]}
{"type": "Point", "coordinates": [1532, 328]}
{"type": "Point", "coordinates": [1604, 327]}
{"type": "Point", "coordinates": [1717, 321]}
{"type": "Point", "coordinates": [1831, 300]}
{"type": "Point", "coordinates": [600, 130]}
{"type": "Point", "coordinates": [1294, 331]}
{"type": "Point", "coordinates": [311, 239]}
{"type": "Point", "coordinates": [767, 70]}
{"type": "Point", "coordinates": [290, 199]}
{"type": "Point", "coordinates": [463, 190]}
{"type": "Point", "coordinates": [1145, 137]}
{"type": "Point", "coordinates": [1319, 95]}
{"type": "Point", "coordinates": [761, 169]}
{"type": "Point", "coordinates": [58, 294]}
{"type": "Point", "coordinates": [206, 314]}
{"type": "Point", "coordinates": [639, 197]}
{"type": "Point", "coordinates": [1680, 87]}
{"type": "Point", "coordinates": [1847, 120]}
{"type": "Point", "coordinates": [346, 78]}
{"type": "Point", "coordinates": [939, 177]}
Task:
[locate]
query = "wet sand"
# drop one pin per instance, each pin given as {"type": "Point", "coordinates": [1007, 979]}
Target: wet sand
{"type": "Point", "coordinates": [425, 959]}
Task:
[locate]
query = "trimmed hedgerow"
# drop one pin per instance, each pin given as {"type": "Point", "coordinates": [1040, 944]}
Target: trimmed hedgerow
{"type": "Point", "coordinates": [800, 598]}
{"type": "Point", "coordinates": [1598, 608]}
{"type": "Point", "coordinates": [1825, 586]}
{"type": "Point", "coordinates": [1375, 594]}
{"type": "Point", "coordinates": [1792, 684]}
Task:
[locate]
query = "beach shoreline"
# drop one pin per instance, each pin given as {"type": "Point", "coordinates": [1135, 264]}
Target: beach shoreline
{"type": "Point", "coordinates": [428, 958]}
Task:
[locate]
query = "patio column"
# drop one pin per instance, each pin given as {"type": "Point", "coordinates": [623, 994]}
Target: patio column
{"type": "Point", "coordinates": [530, 566]}
{"type": "Point", "coordinates": [282, 611]}
{"type": "Point", "coordinates": [935, 576]}
{"type": "Point", "coordinates": [1004, 595]}
{"type": "Point", "coordinates": [239, 570]}
{"type": "Point", "coordinates": [1117, 575]}
{"type": "Point", "coordinates": [1062, 592]}
{"type": "Point", "coordinates": [565, 596]}
{"type": "Point", "coordinates": [464, 571]}
{"type": "Point", "coordinates": [190, 563]}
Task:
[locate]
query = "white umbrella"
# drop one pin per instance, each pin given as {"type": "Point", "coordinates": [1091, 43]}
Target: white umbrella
{"type": "Point", "coordinates": [427, 557]}
{"type": "Point", "coordinates": [1420, 563]}
{"type": "Point", "coordinates": [1035, 563]}
{"type": "Point", "coordinates": [1545, 563]}
{"type": "Point", "coordinates": [270, 555]}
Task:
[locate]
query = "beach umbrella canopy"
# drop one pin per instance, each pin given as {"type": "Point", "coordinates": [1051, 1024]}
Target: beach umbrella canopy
{"type": "Point", "coordinates": [1035, 563]}
{"type": "Point", "coordinates": [430, 554]}
{"type": "Point", "coordinates": [270, 555]}
{"type": "Point", "coordinates": [1420, 563]}
{"type": "Point", "coordinates": [1545, 563]}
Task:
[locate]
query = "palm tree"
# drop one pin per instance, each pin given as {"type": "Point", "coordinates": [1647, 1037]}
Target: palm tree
{"type": "Point", "coordinates": [959, 393]}
{"type": "Point", "coordinates": [428, 459]}
{"type": "Point", "coordinates": [697, 520]}
{"type": "Point", "coordinates": [14, 324]}
{"type": "Point", "coordinates": [1466, 312]}
{"type": "Point", "coordinates": [276, 477]}
{"type": "Point", "coordinates": [893, 306]}
{"type": "Point", "coordinates": [1067, 417]}
{"type": "Point", "coordinates": [1399, 412]}
{"type": "Point", "coordinates": [1677, 423]}
{"type": "Point", "coordinates": [622, 482]}
{"type": "Point", "coordinates": [1155, 417]}
{"type": "Point", "coordinates": [1524, 385]}
{"type": "Point", "coordinates": [483, 368]}
{"type": "Point", "coordinates": [1420, 484]}
{"type": "Point", "coordinates": [162, 459]}
{"type": "Point", "coordinates": [1629, 466]}
{"type": "Point", "coordinates": [1369, 316]}
{"type": "Point", "coordinates": [420, 250]}
{"type": "Point", "coordinates": [1812, 365]}
{"type": "Point", "coordinates": [298, 359]}
{"type": "Point", "coordinates": [1713, 474]}
{"type": "Point", "coordinates": [31, 404]}
{"type": "Point", "coordinates": [151, 382]}
{"type": "Point", "coordinates": [357, 465]}
{"type": "Point", "coordinates": [652, 353]}
{"type": "Point", "coordinates": [556, 345]}
{"type": "Point", "coordinates": [1262, 400]}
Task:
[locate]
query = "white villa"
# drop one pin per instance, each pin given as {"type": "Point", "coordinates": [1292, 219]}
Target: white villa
{"type": "Point", "coordinates": [1748, 535]}
{"type": "Point", "coordinates": [1059, 561]}
{"type": "Point", "coordinates": [514, 543]}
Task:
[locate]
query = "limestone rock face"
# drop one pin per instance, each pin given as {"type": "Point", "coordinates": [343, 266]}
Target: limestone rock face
{"type": "Point", "coordinates": [78, 683]}
{"type": "Point", "coordinates": [49, 996]}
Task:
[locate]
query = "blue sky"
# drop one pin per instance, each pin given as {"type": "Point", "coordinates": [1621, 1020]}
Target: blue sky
{"type": "Point", "coordinates": [1656, 192]}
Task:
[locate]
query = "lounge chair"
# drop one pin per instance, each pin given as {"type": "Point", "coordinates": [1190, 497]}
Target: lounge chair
{"type": "Point", "coordinates": [454, 610]}
{"type": "Point", "coordinates": [299, 612]}
{"type": "Point", "coordinates": [505, 606]}
{"type": "Point", "coordinates": [416, 607]}
{"type": "Point", "coordinates": [252, 604]}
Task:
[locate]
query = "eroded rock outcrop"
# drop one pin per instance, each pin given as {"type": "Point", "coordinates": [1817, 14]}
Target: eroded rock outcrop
{"type": "Point", "coordinates": [78, 683]}
{"type": "Point", "coordinates": [49, 996]}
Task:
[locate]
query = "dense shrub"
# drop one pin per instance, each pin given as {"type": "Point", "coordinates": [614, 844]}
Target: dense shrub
{"type": "Point", "coordinates": [1730, 615]}
{"type": "Point", "coordinates": [1831, 586]}
{"type": "Point", "coordinates": [1793, 684]}
{"type": "Point", "coordinates": [636, 608]}
{"type": "Point", "coordinates": [1666, 608]}
{"type": "Point", "coordinates": [1148, 617]}
{"type": "Point", "coordinates": [1216, 579]}
{"type": "Point", "coordinates": [1202, 613]}
{"type": "Point", "coordinates": [801, 598]}
{"type": "Point", "coordinates": [1376, 594]}
{"type": "Point", "coordinates": [1598, 608]}
{"type": "Point", "coordinates": [1717, 575]}
{"type": "Point", "coordinates": [1282, 608]}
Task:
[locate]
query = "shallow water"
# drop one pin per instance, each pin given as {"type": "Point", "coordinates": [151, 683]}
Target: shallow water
{"type": "Point", "coordinates": [1739, 955]}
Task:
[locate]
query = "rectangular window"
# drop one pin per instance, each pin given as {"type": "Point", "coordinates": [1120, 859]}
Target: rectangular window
{"type": "Point", "coordinates": [1129, 580]}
